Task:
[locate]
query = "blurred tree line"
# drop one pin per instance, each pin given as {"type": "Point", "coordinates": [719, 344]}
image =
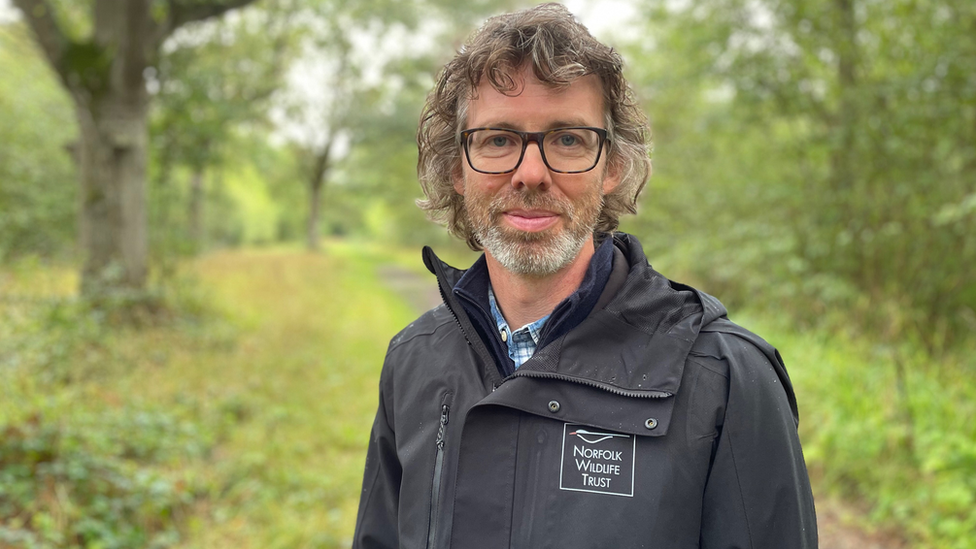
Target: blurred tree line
{"type": "Point", "coordinates": [815, 156]}
{"type": "Point", "coordinates": [163, 111]}
{"type": "Point", "coordinates": [819, 156]}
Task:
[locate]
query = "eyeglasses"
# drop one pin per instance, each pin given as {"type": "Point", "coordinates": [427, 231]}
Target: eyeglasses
{"type": "Point", "coordinates": [564, 150]}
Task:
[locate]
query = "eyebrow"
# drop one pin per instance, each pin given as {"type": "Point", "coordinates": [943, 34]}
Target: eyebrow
{"type": "Point", "coordinates": [562, 123]}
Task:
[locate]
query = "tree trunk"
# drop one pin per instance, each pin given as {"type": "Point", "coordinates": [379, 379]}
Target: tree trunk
{"type": "Point", "coordinates": [113, 216]}
{"type": "Point", "coordinates": [842, 156]}
{"type": "Point", "coordinates": [196, 209]}
{"type": "Point", "coordinates": [842, 215]}
{"type": "Point", "coordinates": [103, 72]}
{"type": "Point", "coordinates": [315, 184]}
{"type": "Point", "coordinates": [314, 211]}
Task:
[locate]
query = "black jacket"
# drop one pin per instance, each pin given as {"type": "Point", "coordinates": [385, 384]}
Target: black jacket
{"type": "Point", "coordinates": [655, 423]}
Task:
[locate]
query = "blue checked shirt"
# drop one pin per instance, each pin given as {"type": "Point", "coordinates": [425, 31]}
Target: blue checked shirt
{"type": "Point", "coordinates": [522, 342]}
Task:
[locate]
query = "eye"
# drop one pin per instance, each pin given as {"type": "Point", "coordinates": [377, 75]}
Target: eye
{"type": "Point", "coordinates": [499, 141]}
{"type": "Point", "coordinates": [567, 140]}
{"type": "Point", "coordinates": [494, 139]}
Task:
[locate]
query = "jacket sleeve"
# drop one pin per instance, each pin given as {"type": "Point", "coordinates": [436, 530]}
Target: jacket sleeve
{"type": "Point", "coordinates": [757, 495]}
{"type": "Point", "coordinates": [376, 523]}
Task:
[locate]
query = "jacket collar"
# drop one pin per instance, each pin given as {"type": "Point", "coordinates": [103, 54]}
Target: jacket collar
{"type": "Point", "coordinates": [635, 345]}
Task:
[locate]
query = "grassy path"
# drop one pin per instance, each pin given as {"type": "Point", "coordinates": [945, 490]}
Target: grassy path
{"type": "Point", "coordinates": [301, 384]}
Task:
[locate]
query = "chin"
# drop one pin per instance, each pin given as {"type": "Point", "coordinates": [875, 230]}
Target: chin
{"type": "Point", "coordinates": [536, 254]}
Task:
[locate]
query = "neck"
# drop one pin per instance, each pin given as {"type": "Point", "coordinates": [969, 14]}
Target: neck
{"type": "Point", "coordinates": [524, 299]}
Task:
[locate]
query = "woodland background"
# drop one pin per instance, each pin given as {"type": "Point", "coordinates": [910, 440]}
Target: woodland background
{"type": "Point", "coordinates": [199, 198]}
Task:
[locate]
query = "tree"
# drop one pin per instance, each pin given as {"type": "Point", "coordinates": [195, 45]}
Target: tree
{"type": "Point", "coordinates": [36, 195]}
{"type": "Point", "coordinates": [320, 116]}
{"type": "Point", "coordinates": [209, 81]}
{"type": "Point", "coordinates": [104, 71]}
{"type": "Point", "coordinates": [859, 127]}
{"type": "Point", "coordinates": [349, 76]}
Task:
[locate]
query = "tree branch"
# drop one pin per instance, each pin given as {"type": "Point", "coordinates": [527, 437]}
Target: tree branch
{"type": "Point", "coordinates": [52, 39]}
{"type": "Point", "coordinates": [182, 12]}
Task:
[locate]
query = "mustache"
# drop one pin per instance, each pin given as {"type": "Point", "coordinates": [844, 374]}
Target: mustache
{"type": "Point", "coordinates": [531, 200]}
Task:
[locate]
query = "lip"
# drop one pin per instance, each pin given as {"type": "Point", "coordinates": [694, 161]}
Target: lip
{"type": "Point", "coordinates": [531, 220]}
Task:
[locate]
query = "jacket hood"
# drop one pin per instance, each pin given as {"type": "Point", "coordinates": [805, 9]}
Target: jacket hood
{"type": "Point", "coordinates": [636, 345]}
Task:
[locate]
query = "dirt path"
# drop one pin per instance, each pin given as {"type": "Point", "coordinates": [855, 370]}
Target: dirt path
{"type": "Point", "coordinates": [837, 522]}
{"type": "Point", "coordinates": [838, 527]}
{"type": "Point", "coordinates": [420, 291]}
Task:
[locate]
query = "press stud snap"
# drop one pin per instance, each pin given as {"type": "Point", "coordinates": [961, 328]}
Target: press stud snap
{"type": "Point", "coordinates": [504, 335]}
{"type": "Point", "coordinates": [650, 423]}
{"type": "Point", "coordinates": [553, 406]}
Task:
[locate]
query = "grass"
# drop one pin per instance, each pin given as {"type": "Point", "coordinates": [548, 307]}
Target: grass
{"type": "Point", "coordinates": [902, 449]}
{"type": "Point", "coordinates": [242, 420]}
{"type": "Point", "coordinates": [281, 393]}
{"type": "Point", "coordinates": [304, 374]}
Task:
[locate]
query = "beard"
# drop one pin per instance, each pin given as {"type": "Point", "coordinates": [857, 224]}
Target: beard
{"type": "Point", "coordinates": [535, 254]}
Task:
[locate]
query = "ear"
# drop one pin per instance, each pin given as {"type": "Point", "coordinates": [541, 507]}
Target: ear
{"type": "Point", "coordinates": [459, 183]}
{"type": "Point", "coordinates": [611, 178]}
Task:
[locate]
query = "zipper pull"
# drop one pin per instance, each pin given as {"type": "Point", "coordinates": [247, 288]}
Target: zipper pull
{"type": "Point", "coordinates": [445, 417]}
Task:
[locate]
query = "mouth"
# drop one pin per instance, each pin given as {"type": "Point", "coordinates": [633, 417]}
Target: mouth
{"type": "Point", "coordinates": [530, 220]}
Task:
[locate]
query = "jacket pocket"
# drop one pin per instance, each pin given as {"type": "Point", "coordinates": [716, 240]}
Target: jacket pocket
{"type": "Point", "coordinates": [435, 490]}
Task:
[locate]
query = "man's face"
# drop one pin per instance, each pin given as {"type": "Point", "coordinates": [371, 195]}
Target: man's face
{"type": "Point", "coordinates": [534, 221]}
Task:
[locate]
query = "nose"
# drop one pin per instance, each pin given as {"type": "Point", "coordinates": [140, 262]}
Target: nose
{"type": "Point", "coordinates": [532, 173]}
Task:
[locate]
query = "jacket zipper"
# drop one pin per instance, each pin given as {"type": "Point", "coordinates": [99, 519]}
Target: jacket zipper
{"type": "Point", "coordinates": [435, 492]}
{"type": "Point", "coordinates": [467, 328]}
{"type": "Point", "coordinates": [590, 383]}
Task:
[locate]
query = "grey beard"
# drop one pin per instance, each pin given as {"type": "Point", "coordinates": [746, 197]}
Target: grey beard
{"type": "Point", "coordinates": [535, 254]}
{"type": "Point", "coordinates": [536, 258]}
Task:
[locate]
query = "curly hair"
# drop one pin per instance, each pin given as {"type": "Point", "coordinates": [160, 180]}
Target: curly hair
{"type": "Point", "coordinates": [560, 50]}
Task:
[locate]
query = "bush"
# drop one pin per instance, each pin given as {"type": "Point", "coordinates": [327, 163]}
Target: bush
{"type": "Point", "coordinates": [95, 480]}
{"type": "Point", "coordinates": [82, 465]}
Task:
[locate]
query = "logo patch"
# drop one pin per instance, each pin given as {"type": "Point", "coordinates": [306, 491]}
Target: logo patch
{"type": "Point", "coordinates": [597, 461]}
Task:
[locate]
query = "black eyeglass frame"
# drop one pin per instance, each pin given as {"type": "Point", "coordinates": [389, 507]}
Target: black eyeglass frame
{"type": "Point", "coordinates": [538, 138]}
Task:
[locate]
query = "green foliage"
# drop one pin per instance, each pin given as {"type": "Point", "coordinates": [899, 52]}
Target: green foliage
{"type": "Point", "coordinates": [88, 65]}
{"type": "Point", "coordinates": [837, 134]}
{"type": "Point", "coordinates": [94, 480]}
{"type": "Point", "coordinates": [257, 198]}
{"type": "Point", "coordinates": [37, 177]}
{"type": "Point", "coordinates": [906, 448]}
{"type": "Point", "coordinates": [193, 431]}
{"type": "Point", "coordinates": [82, 465]}
{"type": "Point", "coordinates": [212, 77]}
{"type": "Point", "coordinates": [815, 163]}
{"type": "Point", "coordinates": [212, 84]}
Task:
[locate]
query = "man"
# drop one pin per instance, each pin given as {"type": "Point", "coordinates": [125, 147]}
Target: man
{"type": "Point", "coordinates": [565, 394]}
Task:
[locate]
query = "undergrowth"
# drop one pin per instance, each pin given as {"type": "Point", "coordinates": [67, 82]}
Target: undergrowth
{"type": "Point", "coordinates": [82, 465]}
{"type": "Point", "coordinates": [887, 427]}
{"type": "Point", "coordinates": [229, 412]}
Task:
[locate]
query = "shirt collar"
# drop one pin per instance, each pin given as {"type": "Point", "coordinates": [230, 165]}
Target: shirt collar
{"type": "Point", "coordinates": [533, 328]}
{"type": "Point", "coordinates": [472, 292]}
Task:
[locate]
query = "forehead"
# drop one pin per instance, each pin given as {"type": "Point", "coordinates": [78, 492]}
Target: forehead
{"type": "Point", "coordinates": [536, 106]}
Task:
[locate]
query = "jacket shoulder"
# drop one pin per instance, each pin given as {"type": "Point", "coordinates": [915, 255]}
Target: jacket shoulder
{"type": "Point", "coordinates": [745, 357]}
{"type": "Point", "coordinates": [427, 325]}
{"type": "Point", "coordinates": [726, 341]}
